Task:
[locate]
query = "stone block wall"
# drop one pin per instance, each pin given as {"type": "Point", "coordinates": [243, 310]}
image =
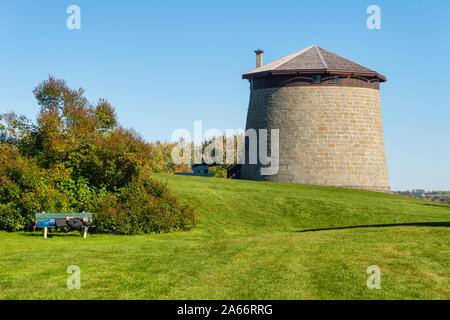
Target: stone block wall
{"type": "Point", "coordinates": [328, 135]}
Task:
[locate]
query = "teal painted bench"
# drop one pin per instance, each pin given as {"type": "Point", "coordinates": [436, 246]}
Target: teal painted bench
{"type": "Point", "coordinates": [45, 216]}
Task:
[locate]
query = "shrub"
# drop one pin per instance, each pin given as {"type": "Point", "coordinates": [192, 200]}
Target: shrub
{"type": "Point", "coordinates": [10, 218]}
{"type": "Point", "coordinates": [76, 158]}
{"type": "Point", "coordinates": [144, 206]}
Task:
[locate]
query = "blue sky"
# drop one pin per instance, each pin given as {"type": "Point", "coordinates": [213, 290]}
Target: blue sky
{"type": "Point", "coordinates": [164, 64]}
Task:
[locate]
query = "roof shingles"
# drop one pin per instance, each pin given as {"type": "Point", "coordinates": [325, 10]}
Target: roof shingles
{"type": "Point", "coordinates": [311, 59]}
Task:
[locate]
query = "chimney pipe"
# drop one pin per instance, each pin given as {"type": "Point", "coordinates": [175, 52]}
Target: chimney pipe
{"type": "Point", "coordinates": [259, 53]}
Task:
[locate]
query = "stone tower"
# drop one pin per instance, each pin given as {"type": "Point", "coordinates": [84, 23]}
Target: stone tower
{"type": "Point", "coordinates": [327, 109]}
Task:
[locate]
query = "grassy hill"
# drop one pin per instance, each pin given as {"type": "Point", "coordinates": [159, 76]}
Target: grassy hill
{"type": "Point", "coordinates": [255, 240]}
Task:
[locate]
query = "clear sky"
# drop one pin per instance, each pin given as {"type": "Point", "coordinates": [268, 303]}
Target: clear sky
{"type": "Point", "coordinates": [164, 64]}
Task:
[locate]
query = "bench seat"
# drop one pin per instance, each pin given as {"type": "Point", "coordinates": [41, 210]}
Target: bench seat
{"type": "Point", "coordinates": [39, 217]}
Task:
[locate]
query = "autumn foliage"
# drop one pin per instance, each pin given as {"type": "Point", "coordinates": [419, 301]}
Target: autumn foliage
{"type": "Point", "coordinates": [75, 157]}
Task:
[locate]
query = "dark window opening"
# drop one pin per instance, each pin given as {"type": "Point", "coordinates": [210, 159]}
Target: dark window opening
{"type": "Point", "coordinates": [335, 79]}
{"type": "Point", "coordinates": [317, 78]}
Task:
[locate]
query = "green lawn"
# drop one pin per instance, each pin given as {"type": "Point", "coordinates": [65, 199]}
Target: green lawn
{"type": "Point", "coordinates": [255, 240]}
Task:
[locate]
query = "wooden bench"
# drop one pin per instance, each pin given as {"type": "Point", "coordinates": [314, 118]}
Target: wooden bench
{"type": "Point", "coordinates": [39, 217]}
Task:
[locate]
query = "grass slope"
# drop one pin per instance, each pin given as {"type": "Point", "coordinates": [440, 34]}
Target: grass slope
{"type": "Point", "coordinates": [255, 240]}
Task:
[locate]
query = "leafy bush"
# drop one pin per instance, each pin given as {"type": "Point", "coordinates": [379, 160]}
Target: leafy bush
{"type": "Point", "coordinates": [25, 190]}
{"type": "Point", "coordinates": [10, 218]}
{"type": "Point", "coordinates": [144, 206]}
{"type": "Point", "coordinates": [76, 158]}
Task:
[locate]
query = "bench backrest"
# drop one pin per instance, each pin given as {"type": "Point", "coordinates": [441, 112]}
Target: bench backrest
{"type": "Point", "coordinates": [45, 216]}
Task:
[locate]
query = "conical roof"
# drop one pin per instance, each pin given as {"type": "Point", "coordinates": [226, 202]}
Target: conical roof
{"type": "Point", "coordinates": [313, 59]}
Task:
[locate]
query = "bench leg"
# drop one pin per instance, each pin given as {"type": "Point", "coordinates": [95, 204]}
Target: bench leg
{"type": "Point", "coordinates": [85, 232]}
{"type": "Point", "coordinates": [45, 232]}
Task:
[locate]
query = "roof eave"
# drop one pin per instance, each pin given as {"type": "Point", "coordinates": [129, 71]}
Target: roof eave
{"type": "Point", "coordinates": [381, 77]}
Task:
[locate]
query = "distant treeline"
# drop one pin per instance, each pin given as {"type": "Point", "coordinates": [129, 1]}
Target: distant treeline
{"type": "Point", "coordinates": [435, 196]}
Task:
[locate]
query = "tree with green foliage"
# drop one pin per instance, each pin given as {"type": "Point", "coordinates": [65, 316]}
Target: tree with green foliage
{"type": "Point", "coordinates": [77, 158]}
